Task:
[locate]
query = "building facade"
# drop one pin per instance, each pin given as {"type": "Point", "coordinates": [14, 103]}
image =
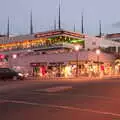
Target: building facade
{"type": "Point", "coordinates": [53, 52]}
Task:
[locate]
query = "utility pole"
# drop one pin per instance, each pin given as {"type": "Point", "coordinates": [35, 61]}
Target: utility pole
{"type": "Point", "coordinates": [82, 23]}
{"type": "Point", "coordinates": [31, 24]}
{"type": "Point", "coordinates": [8, 28]}
{"type": "Point", "coordinates": [74, 28]}
{"type": "Point", "coordinates": [59, 20]}
{"type": "Point", "coordinates": [55, 24]}
{"type": "Point", "coordinates": [100, 28]}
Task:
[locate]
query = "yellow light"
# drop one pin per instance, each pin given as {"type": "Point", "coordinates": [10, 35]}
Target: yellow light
{"type": "Point", "coordinates": [67, 71]}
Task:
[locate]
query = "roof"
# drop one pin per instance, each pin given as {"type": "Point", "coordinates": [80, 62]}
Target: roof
{"type": "Point", "coordinates": [57, 33]}
{"type": "Point", "coordinates": [2, 35]}
{"type": "Point", "coordinates": [47, 34]}
{"type": "Point", "coordinates": [113, 35]}
{"type": "Point", "coordinates": [19, 38]}
{"type": "Point", "coordinates": [22, 37]}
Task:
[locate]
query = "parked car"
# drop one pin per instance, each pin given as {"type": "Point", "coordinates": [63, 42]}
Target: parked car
{"type": "Point", "coordinates": [7, 73]}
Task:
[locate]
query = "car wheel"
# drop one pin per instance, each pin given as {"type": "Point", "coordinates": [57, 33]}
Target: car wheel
{"type": "Point", "coordinates": [14, 78]}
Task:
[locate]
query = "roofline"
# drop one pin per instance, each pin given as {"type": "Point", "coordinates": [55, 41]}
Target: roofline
{"type": "Point", "coordinates": [51, 33]}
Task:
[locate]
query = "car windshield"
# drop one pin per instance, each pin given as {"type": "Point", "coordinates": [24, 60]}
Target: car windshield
{"type": "Point", "coordinates": [10, 69]}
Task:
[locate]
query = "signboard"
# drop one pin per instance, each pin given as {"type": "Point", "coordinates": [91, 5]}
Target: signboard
{"type": "Point", "coordinates": [38, 64]}
{"type": "Point", "coordinates": [75, 62]}
{"type": "Point", "coordinates": [56, 64]}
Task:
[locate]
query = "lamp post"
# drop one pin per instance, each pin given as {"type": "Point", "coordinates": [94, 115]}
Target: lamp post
{"type": "Point", "coordinates": [98, 57]}
{"type": "Point", "coordinates": [14, 56]}
{"type": "Point", "coordinates": [77, 48]}
{"type": "Point", "coordinates": [10, 59]}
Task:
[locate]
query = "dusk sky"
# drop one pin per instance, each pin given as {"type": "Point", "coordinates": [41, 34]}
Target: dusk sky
{"type": "Point", "coordinates": [46, 11]}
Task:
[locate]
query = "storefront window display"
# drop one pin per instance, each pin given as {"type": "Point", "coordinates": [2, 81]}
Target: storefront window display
{"type": "Point", "coordinates": [55, 69]}
{"type": "Point", "coordinates": [117, 67]}
{"type": "Point", "coordinates": [35, 71]}
{"type": "Point", "coordinates": [39, 69]}
{"type": "Point", "coordinates": [108, 69]}
{"type": "Point", "coordinates": [68, 71]}
{"type": "Point", "coordinates": [42, 71]}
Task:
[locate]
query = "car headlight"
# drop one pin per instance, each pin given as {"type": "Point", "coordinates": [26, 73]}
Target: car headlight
{"type": "Point", "coordinates": [20, 74]}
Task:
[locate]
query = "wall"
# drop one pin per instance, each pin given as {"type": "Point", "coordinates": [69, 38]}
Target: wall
{"type": "Point", "coordinates": [92, 42]}
{"type": "Point", "coordinates": [25, 61]}
{"type": "Point", "coordinates": [95, 42]}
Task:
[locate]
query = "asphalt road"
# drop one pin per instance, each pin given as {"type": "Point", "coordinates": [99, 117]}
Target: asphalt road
{"type": "Point", "coordinates": [60, 100]}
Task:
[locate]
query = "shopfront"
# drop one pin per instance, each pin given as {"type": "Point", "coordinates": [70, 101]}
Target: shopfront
{"type": "Point", "coordinates": [39, 69]}
{"type": "Point", "coordinates": [117, 67]}
{"type": "Point", "coordinates": [65, 65]}
{"type": "Point", "coordinates": [55, 69]}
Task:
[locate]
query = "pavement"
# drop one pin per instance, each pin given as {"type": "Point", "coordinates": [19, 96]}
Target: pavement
{"type": "Point", "coordinates": [80, 78]}
{"type": "Point", "coordinates": [60, 100]}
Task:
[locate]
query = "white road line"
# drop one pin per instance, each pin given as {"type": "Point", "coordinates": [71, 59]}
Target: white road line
{"type": "Point", "coordinates": [63, 107]}
{"type": "Point", "coordinates": [100, 97]}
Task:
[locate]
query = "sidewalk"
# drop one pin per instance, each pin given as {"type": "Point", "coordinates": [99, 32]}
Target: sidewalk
{"type": "Point", "coordinates": [80, 78]}
{"type": "Point", "coordinates": [50, 80]}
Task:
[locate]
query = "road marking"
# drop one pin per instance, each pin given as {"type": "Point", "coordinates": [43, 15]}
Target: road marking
{"type": "Point", "coordinates": [100, 97]}
{"type": "Point", "coordinates": [63, 107]}
{"type": "Point", "coordinates": [55, 89]}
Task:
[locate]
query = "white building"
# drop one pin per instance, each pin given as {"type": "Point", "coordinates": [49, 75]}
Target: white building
{"type": "Point", "coordinates": [103, 42]}
{"type": "Point", "coordinates": [54, 47]}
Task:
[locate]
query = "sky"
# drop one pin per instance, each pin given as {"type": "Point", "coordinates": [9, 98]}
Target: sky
{"type": "Point", "coordinates": [45, 12]}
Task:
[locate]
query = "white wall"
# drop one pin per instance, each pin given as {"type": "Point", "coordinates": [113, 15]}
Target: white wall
{"type": "Point", "coordinates": [108, 42]}
{"type": "Point", "coordinates": [95, 42]}
{"type": "Point", "coordinates": [92, 42]}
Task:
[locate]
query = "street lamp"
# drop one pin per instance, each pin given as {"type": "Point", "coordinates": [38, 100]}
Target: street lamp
{"type": "Point", "coordinates": [10, 59]}
{"type": "Point", "coordinates": [98, 59]}
{"type": "Point", "coordinates": [14, 56]}
{"type": "Point", "coordinates": [77, 48]}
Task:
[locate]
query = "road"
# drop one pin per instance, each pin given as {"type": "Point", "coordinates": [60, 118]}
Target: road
{"type": "Point", "coordinates": [60, 100]}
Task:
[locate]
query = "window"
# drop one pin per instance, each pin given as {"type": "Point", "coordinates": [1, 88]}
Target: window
{"type": "Point", "coordinates": [93, 43]}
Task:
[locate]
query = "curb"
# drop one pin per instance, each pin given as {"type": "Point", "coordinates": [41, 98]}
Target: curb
{"type": "Point", "coordinates": [78, 79]}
